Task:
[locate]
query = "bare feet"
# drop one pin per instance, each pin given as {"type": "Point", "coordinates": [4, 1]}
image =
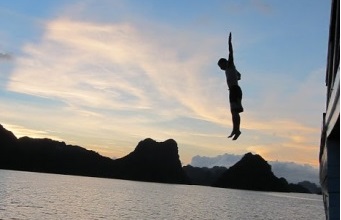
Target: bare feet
{"type": "Point", "coordinates": [231, 135]}
{"type": "Point", "coordinates": [236, 134]}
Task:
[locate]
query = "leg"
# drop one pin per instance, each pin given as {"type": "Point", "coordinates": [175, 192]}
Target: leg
{"type": "Point", "coordinates": [236, 121]}
{"type": "Point", "coordinates": [236, 125]}
{"type": "Point", "coordinates": [236, 108]}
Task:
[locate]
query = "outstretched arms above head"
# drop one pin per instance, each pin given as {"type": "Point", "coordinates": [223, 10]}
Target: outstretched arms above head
{"type": "Point", "coordinates": [230, 48]}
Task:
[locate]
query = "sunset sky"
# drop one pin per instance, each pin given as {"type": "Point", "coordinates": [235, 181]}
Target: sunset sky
{"type": "Point", "coordinates": [106, 74]}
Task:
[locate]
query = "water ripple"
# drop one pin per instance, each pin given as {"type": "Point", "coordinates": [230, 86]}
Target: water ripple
{"type": "Point", "coordinates": [25, 195]}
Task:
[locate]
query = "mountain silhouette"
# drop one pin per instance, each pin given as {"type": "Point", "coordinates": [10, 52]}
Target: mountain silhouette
{"type": "Point", "coordinates": [203, 175]}
{"type": "Point", "coordinates": [150, 161]}
{"type": "Point", "coordinates": [252, 172]}
{"type": "Point", "coordinates": [153, 161]}
{"type": "Point", "coordinates": [46, 155]}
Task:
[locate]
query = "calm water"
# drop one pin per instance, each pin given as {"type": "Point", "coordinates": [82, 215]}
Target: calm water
{"type": "Point", "coordinates": [25, 195]}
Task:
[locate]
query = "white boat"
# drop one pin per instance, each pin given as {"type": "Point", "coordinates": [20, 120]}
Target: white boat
{"type": "Point", "coordinates": [330, 138]}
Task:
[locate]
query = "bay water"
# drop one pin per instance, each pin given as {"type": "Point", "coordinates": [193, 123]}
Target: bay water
{"type": "Point", "coordinates": [28, 195]}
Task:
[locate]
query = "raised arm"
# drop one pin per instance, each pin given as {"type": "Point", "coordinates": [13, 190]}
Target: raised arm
{"type": "Point", "coordinates": [230, 48]}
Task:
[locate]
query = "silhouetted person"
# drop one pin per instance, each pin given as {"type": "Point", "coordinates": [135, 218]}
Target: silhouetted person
{"type": "Point", "coordinates": [232, 77]}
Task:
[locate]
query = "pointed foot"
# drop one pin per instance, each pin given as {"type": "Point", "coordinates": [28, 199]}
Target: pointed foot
{"type": "Point", "coordinates": [231, 135]}
{"type": "Point", "coordinates": [236, 136]}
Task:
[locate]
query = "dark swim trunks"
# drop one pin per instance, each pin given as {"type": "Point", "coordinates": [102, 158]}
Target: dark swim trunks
{"type": "Point", "coordinates": [236, 99]}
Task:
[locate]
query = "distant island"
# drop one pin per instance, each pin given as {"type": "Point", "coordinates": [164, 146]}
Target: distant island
{"type": "Point", "coordinates": [151, 161]}
{"type": "Point", "coordinates": [252, 172]}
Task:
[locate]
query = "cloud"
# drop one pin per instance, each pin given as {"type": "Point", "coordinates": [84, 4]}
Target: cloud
{"type": "Point", "coordinates": [119, 76]}
{"type": "Point", "coordinates": [113, 66]}
{"type": "Point", "coordinates": [226, 160]}
{"type": "Point", "coordinates": [294, 172]}
{"type": "Point", "coordinates": [284, 116]}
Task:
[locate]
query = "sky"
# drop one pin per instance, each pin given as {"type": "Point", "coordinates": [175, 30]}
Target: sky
{"type": "Point", "coordinates": [106, 74]}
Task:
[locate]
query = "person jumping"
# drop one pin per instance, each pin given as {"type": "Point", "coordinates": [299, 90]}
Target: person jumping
{"type": "Point", "coordinates": [235, 97]}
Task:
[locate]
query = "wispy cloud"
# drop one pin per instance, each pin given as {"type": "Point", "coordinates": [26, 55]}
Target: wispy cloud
{"type": "Point", "coordinates": [119, 72]}
{"type": "Point", "coordinates": [287, 119]}
{"type": "Point", "coordinates": [114, 67]}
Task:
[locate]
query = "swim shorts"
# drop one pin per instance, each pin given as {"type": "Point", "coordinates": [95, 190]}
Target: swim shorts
{"type": "Point", "coordinates": [236, 99]}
